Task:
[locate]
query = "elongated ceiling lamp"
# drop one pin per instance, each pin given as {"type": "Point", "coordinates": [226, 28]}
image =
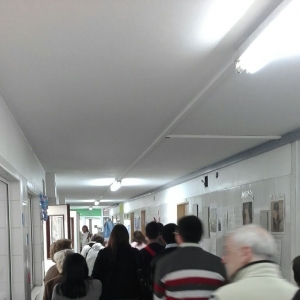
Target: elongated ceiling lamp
{"type": "Point", "coordinates": [115, 186]}
{"type": "Point", "coordinates": [279, 38]}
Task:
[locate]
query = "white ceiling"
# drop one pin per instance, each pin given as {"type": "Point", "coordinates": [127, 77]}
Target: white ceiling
{"type": "Point", "coordinates": [96, 85]}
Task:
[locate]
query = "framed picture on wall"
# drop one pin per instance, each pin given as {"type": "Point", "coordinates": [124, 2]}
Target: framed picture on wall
{"type": "Point", "coordinates": [247, 213]}
{"type": "Point", "coordinates": [277, 216]}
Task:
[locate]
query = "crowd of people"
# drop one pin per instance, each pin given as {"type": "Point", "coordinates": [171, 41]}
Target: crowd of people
{"type": "Point", "coordinates": [169, 264]}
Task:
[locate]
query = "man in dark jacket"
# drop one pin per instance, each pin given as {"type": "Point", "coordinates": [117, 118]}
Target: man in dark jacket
{"type": "Point", "coordinates": [168, 237]}
{"type": "Point", "coordinates": [147, 254]}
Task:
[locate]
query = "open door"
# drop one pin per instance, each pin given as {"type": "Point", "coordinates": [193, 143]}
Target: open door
{"type": "Point", "coordinates": [58, 225]}
{"type": "Point", "coordinates": [131, 225]}
{"type": "Point", "coordinates": [182, 210]}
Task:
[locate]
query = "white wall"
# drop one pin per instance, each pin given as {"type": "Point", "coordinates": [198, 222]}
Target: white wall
{"type": "Point", "coordinates": [16, 155]}
{"type": "Point", "coordinates": [268, 174]}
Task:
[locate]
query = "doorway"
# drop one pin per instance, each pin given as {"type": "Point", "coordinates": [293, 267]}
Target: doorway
{"type": "Point", "coordinates": [5, 259]}
{"type": "Point", "coordinates": [131, 225]}
{"type": "Point", "coordinates": [182, 210]}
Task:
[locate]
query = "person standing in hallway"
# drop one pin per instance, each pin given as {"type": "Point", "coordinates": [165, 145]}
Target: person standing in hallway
{"type": "Point", "coordinates": [189, 272]}
{"type": "Point", "coordinates": [85, 237]}
{"type": "Point", "coordinates": [55, 247]}
{"type": "Point", "coordinates": [296, 270]}
{"type": "Point", "coordinates": [147, 254]}
{"type": "Point", "coordinates": [249, 256]}
{"type": "Point", "coordinates": [116, 267]}
{"type": "Point", "coordinates": [139, 240]}
{"type": "Point", "coordinates": [75, 283]}
{"type": "Point", "coordinates": [59, 257]}
{"type": "Point", "coordinates": [92, 253]}
{"type": "Point", "coordinates": [168, 238]}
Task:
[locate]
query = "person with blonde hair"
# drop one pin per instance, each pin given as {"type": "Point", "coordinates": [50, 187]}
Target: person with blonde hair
{"type": "Point", "coordinates": [55, 247]}
{"type": "Point", "coordinates": [59, 258]}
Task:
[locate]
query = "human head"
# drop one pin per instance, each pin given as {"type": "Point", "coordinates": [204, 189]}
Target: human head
{"type": "Point", "coordinates": [189, 230]}
{"type": "Point", "coordinates": [296, 269]}
{"type": "Point", "coordinates": [152, 231]}
{"type": "Point", "coordinates": [138, 237]}
{"type": "Point", "coordinates": [75, 272]}
{"type": "Point", "coordinates": [119, 237]}
{"type": "Point", "coordinates": [59, 245]}
{"type": "Point", "coordinates": [97, 238]}
{"type": "Point", "coordinates": [160, 227]}
{"type": "Point", "coordinates": [247, 244]}
{"type": "Point", "coordinates": [85, 229]}
{"type": "Point", "coordinates": [59, 258]}
{"type": "Point", "coordinates": [168, 233]}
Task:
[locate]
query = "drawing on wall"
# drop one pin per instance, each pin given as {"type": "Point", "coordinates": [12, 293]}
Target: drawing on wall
{"type": "Point", "coordinates": [247, 199]}
{"type": "Point", "coordinates": [213, 222]}
{"type": "Point", "coordinates": [247, 213]}
{"type": "Point", "coordinates": [277, 213]}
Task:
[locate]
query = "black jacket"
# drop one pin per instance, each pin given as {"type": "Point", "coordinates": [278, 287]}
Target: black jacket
{"type": "Point", "coordinates": [118, 273]}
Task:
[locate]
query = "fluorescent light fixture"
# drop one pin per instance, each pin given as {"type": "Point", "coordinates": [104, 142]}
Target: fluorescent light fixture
{"type": "Point", "coordinates": [133, 181]}
{"type": "Point", "coordinates": [279, 39]}
{"type": "Point", "coordinates": [90, 208]}
{"type": "Point", "coordinates": [255, 137]}
{"type": "Point", "coordinates": [220, 18]}
{"type": "Point", "coordinates": [115, 186]}
{"type": "Point", "coordinates": [102, 181]}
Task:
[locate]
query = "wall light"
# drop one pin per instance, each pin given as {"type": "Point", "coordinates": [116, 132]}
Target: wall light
{"type": "Point", "coordinates": [115, 186]}
{"type": "Point", "coordinates": [90, 208]}
{"type": "Point", "coordinates": [278, 39]}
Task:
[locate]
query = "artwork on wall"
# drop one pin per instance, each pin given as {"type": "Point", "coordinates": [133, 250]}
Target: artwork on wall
{"type": "Point", "coordinates": [277, 215]}
{"type": "Point", "coordinates": [247, 199]}
{"type": "Point", "coordinates": [213, 219]}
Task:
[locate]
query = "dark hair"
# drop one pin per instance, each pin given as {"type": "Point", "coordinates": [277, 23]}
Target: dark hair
{"type": "Point", "coordinates": [168, 233]}
{"type": "Point", "coordinates": [152, 230]}
{"type": "Point", "coordinates": [119, 238]}
{"type": "Point", "coordinates": [296, 269]}
{"type": "Point", "coordinates": [97, 238]}
{"type": "Point", "coordinates": [75, 272]}
{"type": "Point", "coordinates": [139, 237]}
{"type": "Point", "coordinates": [160, 227]}
{"type": "Point", "coordinates": [85, 227]}
{"type": "Point", "coordinates": [190, 228]}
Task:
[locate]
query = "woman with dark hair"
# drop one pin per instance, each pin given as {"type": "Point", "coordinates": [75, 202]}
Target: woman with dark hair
{"type": "Point", "coordinates": [116, 267]}
{"type": "Point", "coordinates": [139, 240]}
{"type": "Point", "coordinates": [75, 283]}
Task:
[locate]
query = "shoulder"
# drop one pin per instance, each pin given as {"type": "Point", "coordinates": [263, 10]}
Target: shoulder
{"type": "Point", "coordinates": [95, 283]}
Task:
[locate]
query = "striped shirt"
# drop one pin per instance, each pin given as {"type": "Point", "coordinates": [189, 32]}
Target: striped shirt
{"type": "Point", "coordinates": [188, 273]}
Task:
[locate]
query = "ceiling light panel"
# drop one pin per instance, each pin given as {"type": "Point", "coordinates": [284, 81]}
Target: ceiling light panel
{"type": "Point", "coordinates": [102, 181]}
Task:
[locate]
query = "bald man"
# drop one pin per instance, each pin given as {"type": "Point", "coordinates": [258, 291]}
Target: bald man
{"type": "Point", "coordinates": [249, 256]}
